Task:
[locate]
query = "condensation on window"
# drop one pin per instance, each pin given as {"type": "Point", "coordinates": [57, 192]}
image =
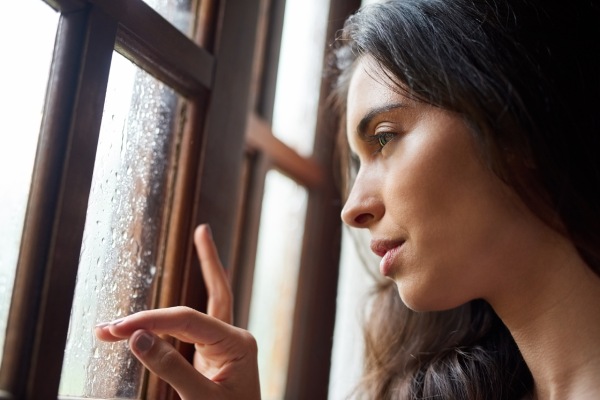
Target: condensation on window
{"type": "Point", "coordinates": [121, 250]}
{"type": "Point", "coordinates": [276, 279]}
{"type": "Point", "coordinates": [26, 59]}
{"type": "Point", "coordinates": [180, 13]}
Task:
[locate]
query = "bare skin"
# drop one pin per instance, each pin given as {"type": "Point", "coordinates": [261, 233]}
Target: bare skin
{"type": "Point", "coordinates": [225, 365]}
{"type": "Point", "coordinates": [449, 231]}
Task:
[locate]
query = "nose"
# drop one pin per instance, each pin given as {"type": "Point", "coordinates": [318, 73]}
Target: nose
{"type": "Point", "coordinates": [364, 206]}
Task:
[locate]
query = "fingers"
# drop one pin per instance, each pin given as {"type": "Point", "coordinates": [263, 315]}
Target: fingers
{"type": "Point", "coordinates": [226, 354]}
{"type": "Point", "coordinates": [220, 298]}
{"type": "Point", "coordinates": [165, 361]}
{"type": "Point", "coordinates": [183, 323]}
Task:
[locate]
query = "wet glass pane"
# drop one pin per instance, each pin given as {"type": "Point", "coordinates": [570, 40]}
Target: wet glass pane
{"type": "Point", "coordinates": [300, 72]}
{"type": "Point", "coordinates": [120, 255]}
{"type": "Point", "coordinates": [27, 43]}
{"type": "Point", "coordinates": [180, 13]}
{"type": "Point", "coordinates": [276, 279]}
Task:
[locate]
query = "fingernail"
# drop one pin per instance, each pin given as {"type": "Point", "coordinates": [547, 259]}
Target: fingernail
{"type": "Point", "coordinates": [102, 325]}
{"type": "Point", "coordinates": [143, 342]}
{"type": "Point", "coordinates": [116, 321]}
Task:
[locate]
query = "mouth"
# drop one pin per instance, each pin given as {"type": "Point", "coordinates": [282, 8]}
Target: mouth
{"type": "Point", "coordinates": [381, 247]}
{"type": "Point", "coordinates": [387, 250]}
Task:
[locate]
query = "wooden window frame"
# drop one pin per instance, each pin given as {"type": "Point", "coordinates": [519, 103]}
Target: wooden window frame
{"type": "Point", "coordinates": [227, 73]}
{"type": "Point", "coordinates": [311, 346]}
{"type": "Point", "coordinates": [204, 191]}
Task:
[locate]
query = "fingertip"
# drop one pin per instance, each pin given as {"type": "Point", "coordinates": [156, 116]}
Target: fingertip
{"type": "Point", "coordinates": [102, 333]}
{"type": "Point", "coordinates": [203, 229]}
{"type": "Point", "coordinates": [208, 231]}
{"type": "Point", "coordinates": [198, 233]}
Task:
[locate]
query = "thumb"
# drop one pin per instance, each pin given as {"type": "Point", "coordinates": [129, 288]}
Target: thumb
{"type": "Point", "coordinates": [164, 360]}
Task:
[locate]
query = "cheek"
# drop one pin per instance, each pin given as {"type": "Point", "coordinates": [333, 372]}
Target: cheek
{"type": "Point", "coordinates": [428, 179]}
{"type": "Point", "coordinates": [454, 212]}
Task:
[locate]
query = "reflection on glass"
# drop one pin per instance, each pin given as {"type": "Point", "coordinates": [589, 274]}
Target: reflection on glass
{"type": "Point", "coordinates": [276, 278]}
{"type": "Point", "coordinates": [177, 12]}
{"type": "Point", "coordinates": [300, 72]}
{"type": "Point", "coordinates": [120, 251]}
{"type": "Point", "coordinates": [26, 62]}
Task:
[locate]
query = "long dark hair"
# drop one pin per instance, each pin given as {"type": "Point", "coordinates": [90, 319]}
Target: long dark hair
{"type": "Point", "coordinates": [523, 74]}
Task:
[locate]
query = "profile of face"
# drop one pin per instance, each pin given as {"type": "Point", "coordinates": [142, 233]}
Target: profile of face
{"type": "Point", "coordinates": [448, 230]}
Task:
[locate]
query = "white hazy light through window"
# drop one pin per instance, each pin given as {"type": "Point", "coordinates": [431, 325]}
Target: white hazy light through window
{"type": "Point", "coordinates": [27, 32]}
{"type": "Point", "coordinates": [276, 279]}
{"type": "Point", "coordinates": [177, 12]}
{"type": "Point", "coordinates": [300, 73]}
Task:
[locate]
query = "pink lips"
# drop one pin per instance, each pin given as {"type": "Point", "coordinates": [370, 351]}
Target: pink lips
{"type": "Point", "coordinates": [387, 249]}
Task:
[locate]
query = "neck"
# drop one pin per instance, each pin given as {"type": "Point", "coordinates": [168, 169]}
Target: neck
{"type": "Point", "coordinates": [555, 322]}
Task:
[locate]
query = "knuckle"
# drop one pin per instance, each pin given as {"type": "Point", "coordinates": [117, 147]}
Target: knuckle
{"type": "Point", "coordinates": [248, 341]}
{"type": "Point", "coordinates": [185, 310]}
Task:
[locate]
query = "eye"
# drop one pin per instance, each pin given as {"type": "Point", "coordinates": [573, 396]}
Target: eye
{"type": "Point", "coordinates": [381, 139]}
{"type": "Point", "coordinates": [384, 138]}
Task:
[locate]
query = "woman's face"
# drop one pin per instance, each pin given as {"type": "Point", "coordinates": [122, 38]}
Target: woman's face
{"type": "Point", "coordinates": [445, 226]}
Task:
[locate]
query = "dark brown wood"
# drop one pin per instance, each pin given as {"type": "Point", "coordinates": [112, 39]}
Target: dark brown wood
{"type": "Point", "coordinates": [254, 170]}
{"type": "Point", "coordinates": [179, 243]}
{"type": "Point", "coordinates": [224, 145]}
{"type": "Point", "coordinates": [219, 141]}
{"type": "Point", "coordinates": [270, 64]}
{"type": "Point", "coordinates": [257, 166]}
{"type": "Point", "coordinates": [44, 196]}
{"type": "Point", "coordinates": [206, 25]}
{"type": "Point", "coordinates": [314, 317]}
{"type": "Point", "coordinates": [305, 171]}
{"type": "Point", "coordinates": [153, 43]}
{"type": "Point", "coordinates": [67, 6]}
{"type": "Point", "coordinates": [53, 229]}
{"type": "Point", "coordinates": [63, 258]}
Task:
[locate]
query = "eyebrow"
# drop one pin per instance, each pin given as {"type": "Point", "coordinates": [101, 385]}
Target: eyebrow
{"type": "Point", "coordinates": [361, 128]}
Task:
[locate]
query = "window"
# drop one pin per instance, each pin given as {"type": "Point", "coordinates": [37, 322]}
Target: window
{"type": "Point", "coordinates": [159, 115]}
{"type": "Point", "coordinates": [88, 34]}
{"type": "Point", "coordinates": [24, 77]}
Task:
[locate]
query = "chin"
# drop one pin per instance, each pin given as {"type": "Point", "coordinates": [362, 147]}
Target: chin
{"type": "Point", "coordinates": [420, 299]}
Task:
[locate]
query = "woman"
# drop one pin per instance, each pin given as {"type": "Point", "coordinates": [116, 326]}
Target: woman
{"type": "Point", "coordinates": [475, 124]}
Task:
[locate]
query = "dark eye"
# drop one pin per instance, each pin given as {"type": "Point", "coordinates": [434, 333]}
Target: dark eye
{"type": "Point", "coordinates": [383, 138]}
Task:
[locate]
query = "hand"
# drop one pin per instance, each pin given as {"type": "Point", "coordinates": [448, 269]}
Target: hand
{"type": "Point", "coordinates": [225, 364]}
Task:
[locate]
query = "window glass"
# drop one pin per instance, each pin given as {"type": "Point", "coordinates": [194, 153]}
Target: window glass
{"type": "Point", "coordinates": [27, 45]}
{"type": "Point", "coordinates": [276, 278]}
{"type": "Point", "coordinates": [120, 255]}
{"type": "Point", "coordinates": [300, 72]}
{"type": "Point", "coordinates": [180, 13]}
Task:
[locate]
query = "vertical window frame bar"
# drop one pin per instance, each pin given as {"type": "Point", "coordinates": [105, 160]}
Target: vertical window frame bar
{"type": "Point", "coordinates": [219, 132]}
{"type": "Point", "coordinates": [53, 229]}
{"type": "Point", "coordinates": [310, 357]}
{"type": "Point", "coordinates": [257, 162]}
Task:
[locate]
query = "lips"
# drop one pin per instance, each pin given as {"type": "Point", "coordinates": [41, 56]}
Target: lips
{"type": "Point", "coordinates": [387, 250]}
{"type": "Point", "coordinates": [380, 247]}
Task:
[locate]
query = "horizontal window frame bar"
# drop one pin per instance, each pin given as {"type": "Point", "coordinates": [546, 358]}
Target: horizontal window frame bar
{"type": "Point", "coordinates": [146, 38]}
{"type": "Point", "coordinates": [305, 171]}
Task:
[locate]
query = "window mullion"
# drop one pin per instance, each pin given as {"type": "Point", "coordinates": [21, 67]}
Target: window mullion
{"type": "Point", "coordinates": [63, 259]}
{"type": "Point", "coordinates": [51, 244]}
{"type": "Point", "coordinates": [308, 374]}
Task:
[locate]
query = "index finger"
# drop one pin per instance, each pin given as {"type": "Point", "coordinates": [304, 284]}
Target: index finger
{"type": "Point", "coordinates": [183, 323]}
{"type": "Point", "coordinates": [220, 298]}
